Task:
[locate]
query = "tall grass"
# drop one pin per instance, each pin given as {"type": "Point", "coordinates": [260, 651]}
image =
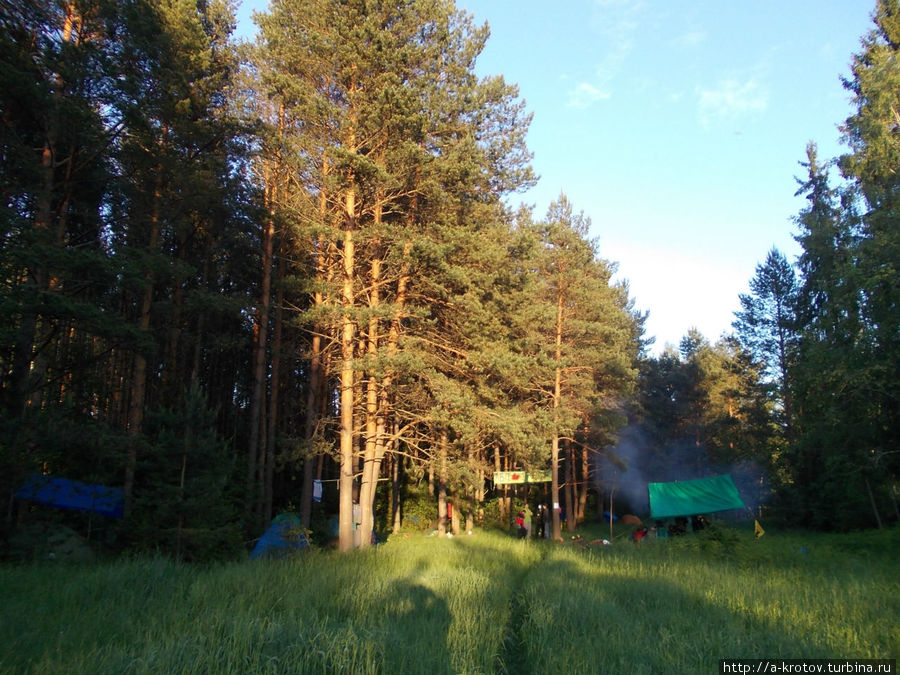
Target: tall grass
{"type": "Point", "coordinates": [481, 604]}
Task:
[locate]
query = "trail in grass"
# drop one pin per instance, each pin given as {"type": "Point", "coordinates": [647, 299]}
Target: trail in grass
{"type": "Point", "coordinates": [513, 658]}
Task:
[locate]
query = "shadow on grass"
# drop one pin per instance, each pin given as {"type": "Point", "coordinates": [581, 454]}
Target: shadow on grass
{"type": "Point", "coordinates": [571, 613]}
{"type": "Point", "coordinates": [414, 629]}
{"type": "Point", "coordinates": [471, 604]}
{"type": "Point", "coordinates": [619, 622]}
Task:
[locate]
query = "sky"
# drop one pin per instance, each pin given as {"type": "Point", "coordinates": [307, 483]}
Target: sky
{"type": "Point", "coordinates": [677, 127]}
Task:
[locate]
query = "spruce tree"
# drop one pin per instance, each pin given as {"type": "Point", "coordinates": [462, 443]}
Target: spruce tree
{"type": "Point", "coordinates": [872, 165]}
{"type": "Point", "coordinates": [830, 400]}
{"type": "Point", "coordinates": [766, 327]}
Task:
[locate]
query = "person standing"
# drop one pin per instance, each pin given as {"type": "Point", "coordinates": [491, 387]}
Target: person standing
{"type": "Point", "coordinates": [528, 520]}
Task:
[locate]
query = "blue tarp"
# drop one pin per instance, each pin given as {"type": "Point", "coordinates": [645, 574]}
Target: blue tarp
{"type": "Point", "coordinates": [285, 535]}
{"type": "Point", "coordinates": [74, 495]}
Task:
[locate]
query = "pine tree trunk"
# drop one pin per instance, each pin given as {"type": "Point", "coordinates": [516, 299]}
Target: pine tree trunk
{"type": "Point", "coordinates": [315, 394]}
{"type": "Point", "coordinates": [345, 515]}
{"type": "Point", "coordinates": [312, 414]}
{"type": "Point", "coordinates": [256, 430]}
{"type": "Point", "coordinates": [892, 492]}
{"type": "Point", "coordinates": [557, 400]}
{"type": "Point", "coordinates": [274, 396]}
{"type": "Point", "coordinates": [874, 504]}
{"type": "Point", "coordinates": [571, 488]}
{"type": "Point", "coordinates": [442, 485]}
{"type": "Point", "coordinates": [378, 392]}
{"type": "Point", "coordinates": [30, 360]}
{"type": "Point", "coordinates": [505, 514]}
{"type": "Point", "coordinates": [139, 372]}
{"type": "Point", "coordinates": [784, 384]}
{"type": "Point", "coordinates": [584, 484]}
{"type": "Point", "coordinates": [396, 486]}
{"type": "Point", "coordinates": [471, 496]}
{"type": "Point", "coordinates": [173, 368]}
{"type": "Point", "coordinates": [37, 328]}
{"type": "Point", "coordinates": [372, 455]}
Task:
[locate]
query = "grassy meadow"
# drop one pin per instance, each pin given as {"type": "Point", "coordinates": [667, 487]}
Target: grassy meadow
{"type": "Point", "coordinates": [486, 603]}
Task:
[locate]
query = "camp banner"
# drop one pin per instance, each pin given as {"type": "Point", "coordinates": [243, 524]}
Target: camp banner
{"type": "Point", "coordinates": [515, 477]}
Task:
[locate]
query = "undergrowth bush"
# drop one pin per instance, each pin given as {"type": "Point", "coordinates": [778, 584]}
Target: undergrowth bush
{"type": "Point", "coordinates": [715, 539]}
{"type": "Point", "coordinates": [419, 511]}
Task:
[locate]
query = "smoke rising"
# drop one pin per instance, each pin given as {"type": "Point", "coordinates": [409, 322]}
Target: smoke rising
{"type": "Point", "coordinates": [638, 459]}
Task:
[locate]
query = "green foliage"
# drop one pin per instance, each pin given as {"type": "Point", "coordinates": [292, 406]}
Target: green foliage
{"type": "Point", "coordinates": [839, 370]}
{"type": "Point", "coordinates": [767, 330]}
{"type": "Point", "coordinates": [41, 538]}
{"type": "Point", "coordinates": [115, 124]}
{"type": "Point", "coordinates": [493, 514]}
{"type": "Point", "coordinates": [144, 163]}
{"type": "Point", "coordinates": [60, 440]}
{"type": "Point", "coordinates": [419, 509]}
{"type": "Point", "coordinates": [184, 504]}
{"type": "Point", "coordinates": [714, 540]}
{"type": "Point", "coordinates": [704, 410]}
{"type": "Point", "coordinates": [839, 473]}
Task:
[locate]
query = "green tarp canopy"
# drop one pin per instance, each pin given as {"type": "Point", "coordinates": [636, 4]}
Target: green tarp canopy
{"type": "Point", "coordinates": [693, 497]}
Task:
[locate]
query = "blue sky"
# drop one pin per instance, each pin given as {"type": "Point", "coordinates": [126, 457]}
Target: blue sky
{"type": "Point", "coordinates": [677, 127]}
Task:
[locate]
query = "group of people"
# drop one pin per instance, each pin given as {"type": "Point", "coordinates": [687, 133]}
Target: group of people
{"type": "Point", "coordinates": [525, 521]}
{"type": "Point", "coordinates": [682, 525]}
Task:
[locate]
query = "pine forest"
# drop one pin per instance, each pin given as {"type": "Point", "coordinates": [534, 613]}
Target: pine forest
{"type": "Point", "coordinates": [242, 279]}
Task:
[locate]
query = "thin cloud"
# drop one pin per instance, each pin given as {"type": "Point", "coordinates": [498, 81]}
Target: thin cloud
{"type": "Point", "coordinates": [614, 22]}
{"type": "Point", "coordinates": [732, 98]}
{"type": "Point", "coordinates": [585, 95]}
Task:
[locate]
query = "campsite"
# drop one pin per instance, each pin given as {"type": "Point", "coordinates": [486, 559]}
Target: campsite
{"type": "Point", "coordinates": [485, 603]}
{"type": "Point", "coordinates": [313, 361]}
{"type": "Point", "coordinates": [695, 580]}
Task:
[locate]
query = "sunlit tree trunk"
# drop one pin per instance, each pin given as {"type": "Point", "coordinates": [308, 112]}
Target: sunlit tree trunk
{"type": "Point", "coordinates": [442, 484]}
{"type": "Point", "coordinates": [378, 389]}
{"type": "Point", "coordinates": [313, 394]}
{"type": "Point", "coordinates": [373, 445]}
{"type": "Point", "coordinates": [557, 401]}
{"type": "Point", "coordinates": [584, 484]}
{"type": "Point", "coordinates": [396, 497]}
{"type": "Point", "coordinates": [348, 334]}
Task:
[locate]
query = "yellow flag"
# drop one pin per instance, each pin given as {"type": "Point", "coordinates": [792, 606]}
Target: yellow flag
{"type": "Point", "coordinates": [757, 529]}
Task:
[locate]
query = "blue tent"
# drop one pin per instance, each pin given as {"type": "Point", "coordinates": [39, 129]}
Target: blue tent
{"type": "Point", "coordinates": [73, 495]}
{"type": "Point", "coordinates": [285, 535]}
